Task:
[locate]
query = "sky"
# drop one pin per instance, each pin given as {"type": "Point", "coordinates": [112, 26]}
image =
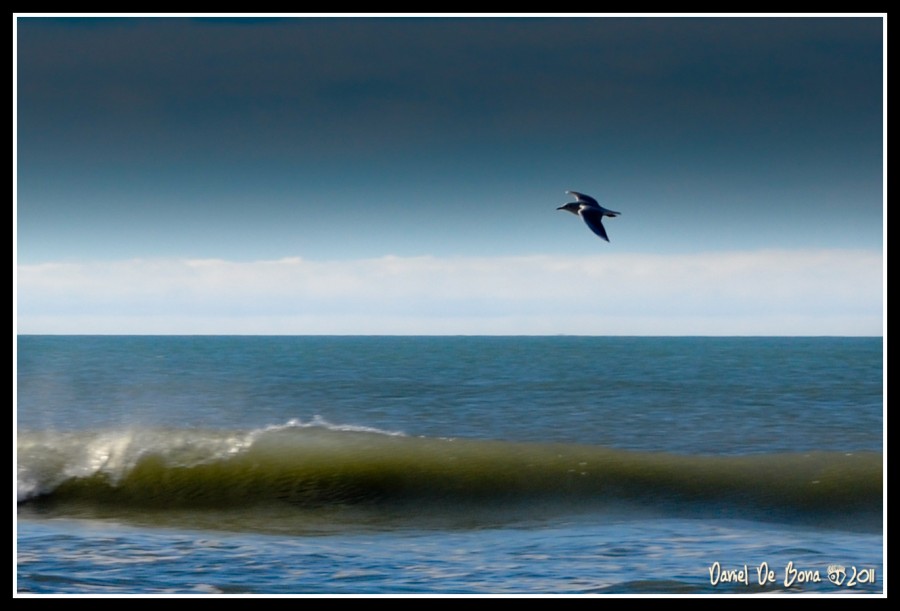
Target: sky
{"type": "Point", "coordinates": [401, 175]}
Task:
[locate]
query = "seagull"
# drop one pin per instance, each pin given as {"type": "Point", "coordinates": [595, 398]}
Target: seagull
{"type": "Point", "coordinates": [590, 211]}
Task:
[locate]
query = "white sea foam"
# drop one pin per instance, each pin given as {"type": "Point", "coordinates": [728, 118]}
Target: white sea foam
{"type": "Point", "coordinates": [320, 422]}
{"type": "Point", "coordinates": [46, 460]}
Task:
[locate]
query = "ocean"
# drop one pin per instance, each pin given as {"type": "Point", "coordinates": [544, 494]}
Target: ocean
{"type": "Point", "coordinates": [567, 466]}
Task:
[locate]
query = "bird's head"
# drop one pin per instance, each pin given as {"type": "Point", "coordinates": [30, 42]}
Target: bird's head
{"type": "Point", "coordinates": [571, 207]}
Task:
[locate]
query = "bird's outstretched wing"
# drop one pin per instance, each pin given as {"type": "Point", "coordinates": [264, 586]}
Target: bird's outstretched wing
{"type": "Point", "coordinates": [587, 199]}
{"type": "Point", "coordinates": [594, 220]}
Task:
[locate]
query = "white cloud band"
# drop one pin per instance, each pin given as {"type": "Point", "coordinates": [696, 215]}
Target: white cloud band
{"type": "Point", "coordinates": [734, 293]}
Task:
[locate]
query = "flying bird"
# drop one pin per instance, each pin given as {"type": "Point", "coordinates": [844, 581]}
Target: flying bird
{"type": "Point", "coordinates": [590, 211]}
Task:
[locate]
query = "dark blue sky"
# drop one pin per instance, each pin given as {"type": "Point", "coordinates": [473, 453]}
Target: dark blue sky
{"type": "Point", "coordinates": [335, 138]}
{"type": "Point", "coordinates": [401, 175]}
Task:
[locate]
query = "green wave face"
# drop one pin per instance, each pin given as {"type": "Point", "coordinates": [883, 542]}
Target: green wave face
{"type": "Point", "coordinates": [295, 468]}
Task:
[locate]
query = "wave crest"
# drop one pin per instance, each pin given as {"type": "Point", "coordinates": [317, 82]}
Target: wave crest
{"type": "Point", "coordinates": [318, 463]}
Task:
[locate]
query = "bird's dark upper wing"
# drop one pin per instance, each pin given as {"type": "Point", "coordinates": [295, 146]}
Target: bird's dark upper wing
{"type": "Point", "coordinates": [587, 199]}
{"type": "Point", "coordinates": [594, 220]}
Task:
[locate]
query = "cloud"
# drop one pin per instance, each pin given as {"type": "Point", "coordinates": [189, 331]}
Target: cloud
{"type": "Point", "coordinates": [777, 292]}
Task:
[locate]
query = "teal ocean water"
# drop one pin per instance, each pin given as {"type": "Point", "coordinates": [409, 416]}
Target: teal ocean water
{"type": "Point", "coordinates": [449, 465]}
